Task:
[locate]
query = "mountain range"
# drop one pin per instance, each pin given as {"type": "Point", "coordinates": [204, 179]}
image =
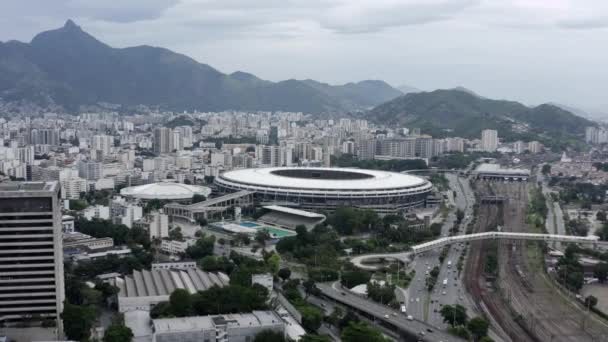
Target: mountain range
{"type": "Point", "coordinates": [460, 112]}
{"type": "Point", "coordinates": [69, 67]}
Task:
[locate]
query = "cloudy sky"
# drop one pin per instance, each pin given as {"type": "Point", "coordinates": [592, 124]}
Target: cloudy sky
{"type": "Point", "coordinates": [528, 50]}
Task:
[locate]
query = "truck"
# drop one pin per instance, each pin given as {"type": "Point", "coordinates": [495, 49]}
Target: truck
{"type": "Point", "coordinates": [449, 263]}
{"type": "Point", "coordinates": [445, 282]}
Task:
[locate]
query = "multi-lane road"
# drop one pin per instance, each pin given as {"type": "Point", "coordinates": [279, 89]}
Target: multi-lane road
{"type": "Point", "coordinates": [420, 303]}
{"type": "Point", "coordinates": [411, 329]}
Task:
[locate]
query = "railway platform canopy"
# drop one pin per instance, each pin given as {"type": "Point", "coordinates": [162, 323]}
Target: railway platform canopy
{"type": "Point", "coordinates": [496, 172]}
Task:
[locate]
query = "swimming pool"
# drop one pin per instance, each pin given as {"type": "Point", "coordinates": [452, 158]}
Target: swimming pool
{"type": "Point", "coordinates": [249, 224]}
{"type": "Point", "coordinates": [278, 233]}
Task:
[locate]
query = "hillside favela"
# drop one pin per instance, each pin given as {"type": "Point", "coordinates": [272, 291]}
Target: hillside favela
{"type": "Point", "coordinates": [303, 171]}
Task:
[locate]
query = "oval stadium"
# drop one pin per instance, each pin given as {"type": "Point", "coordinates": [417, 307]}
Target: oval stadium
{"type": "Point", "coordinates": [329, 188]}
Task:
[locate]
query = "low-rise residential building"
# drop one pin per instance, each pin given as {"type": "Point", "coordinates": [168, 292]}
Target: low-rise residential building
{"type": "Point", "coordinates": [175, 246]}
{"type": "Point", "coordinates": [242, 327]}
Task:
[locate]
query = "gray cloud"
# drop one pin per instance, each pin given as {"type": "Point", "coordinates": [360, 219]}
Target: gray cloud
{"type": "Point", "coordinates": [584, 23]}
{"type": "Point", "coordinates": [528, 50]}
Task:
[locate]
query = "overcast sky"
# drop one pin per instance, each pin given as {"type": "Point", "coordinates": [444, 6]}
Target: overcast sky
{"type": "Point", "coordinates": [528, 50]}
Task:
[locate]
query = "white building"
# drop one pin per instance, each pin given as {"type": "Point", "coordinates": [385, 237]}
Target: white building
{"type": "Point", "coordinates": [103, 143]}
{"type": "Point", "coordinates": [159, 225]}
{"type": "Point", "coordinates": [71, 188]}
{"type": "Point", "coordinates": [98, 211]}
{"type": "Point", "coordinates": [489, 140]}
{"type": "Point", "coordinates": [176, 247]}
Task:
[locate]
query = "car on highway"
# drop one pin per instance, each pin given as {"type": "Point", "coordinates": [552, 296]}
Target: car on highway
{"type": "Point", "coordinates": [410, 318]}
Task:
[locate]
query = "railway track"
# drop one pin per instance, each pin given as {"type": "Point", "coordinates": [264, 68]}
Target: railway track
{"type": "Point", "coordinates": [489, 219]}
{"type": "Point", "coordinates": [527, 305]}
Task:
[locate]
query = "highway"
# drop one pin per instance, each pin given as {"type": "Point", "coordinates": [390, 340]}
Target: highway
{"type": "Point", "coordinates": [410, 330]}
{"type": "Point", "coordinates": [417, 293]}
{"type": "Point", "coordinates": [453, 292]}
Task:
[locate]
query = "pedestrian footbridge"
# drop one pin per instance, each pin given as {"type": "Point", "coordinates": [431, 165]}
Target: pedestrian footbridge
{"type": "Point", "coordinates": [406, 256]}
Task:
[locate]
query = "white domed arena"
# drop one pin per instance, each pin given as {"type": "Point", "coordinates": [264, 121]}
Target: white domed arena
{"type": "Point", "coordinates": [165, 191]}
{"type": "Point", "coordinates": [329, 188]}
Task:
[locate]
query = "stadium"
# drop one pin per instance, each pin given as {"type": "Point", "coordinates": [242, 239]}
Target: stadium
{"type": "Point", "coordinates": [329, 188]}
{"type": "Point", "coordinates": [165, 191]}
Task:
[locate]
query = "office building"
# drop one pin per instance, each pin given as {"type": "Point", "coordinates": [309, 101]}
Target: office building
{"type": "Point", "coordinates": [489, 140]}
{"type": "Point", "coordinates": [90, 170]}
{"type": "Point", "coordinates": [31, 256]}
{"type": "Point", "coordinates": [102, 143]}
{"type": "Point", "coordinates": [163, 140]}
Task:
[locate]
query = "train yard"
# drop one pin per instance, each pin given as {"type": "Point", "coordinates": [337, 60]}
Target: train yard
{"type": "Point", "coordinates": [520, 297]}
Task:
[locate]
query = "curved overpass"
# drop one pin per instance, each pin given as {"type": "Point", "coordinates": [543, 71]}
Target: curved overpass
{"type": "Point", "coordinates": [406, 256]}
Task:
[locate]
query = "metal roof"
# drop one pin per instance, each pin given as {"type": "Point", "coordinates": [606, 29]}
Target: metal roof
{"type": "Point", "coordinates": [165, 190]}
{"type": "Point", "coordinates": [376, 180]}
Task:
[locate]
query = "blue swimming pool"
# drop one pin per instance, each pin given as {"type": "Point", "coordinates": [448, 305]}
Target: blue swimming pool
{"type": "Point", "coordinates": [249, 224]}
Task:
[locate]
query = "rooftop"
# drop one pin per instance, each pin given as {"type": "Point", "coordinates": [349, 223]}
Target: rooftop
{"type": "Point", "coordinates": [165, 190]}
{"type": "Point", "coordinates": [197, 323]}
{"type": "Point", "coordinates": [323, 178]}
{"type": "Point", "coordinates": [496, 168]}
{"type": "Point", "coordinates": [163, 282]}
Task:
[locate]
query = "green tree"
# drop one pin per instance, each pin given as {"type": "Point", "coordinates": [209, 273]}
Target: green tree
{"type": "Point", "coordinates": [361, 332]}
{"type": "Point", "coordinates": [478, 327]}
{"type": "Point", "coordinates": [201, 248]}
{"type": "Point", "coordinates": [312, 317]}
{"type": "Point", "coordinates": [353, 278]}
{"type": "Point", "coordinates": [269, 336]}
{"type": "Point", "coordinates": [284, 273]}
{"type": "Point", "coordinates": [546, 169]}
{"type": "Point", "coordinates": [381, 293]}
{"type": "Point", "coordinates": [601, 216]}
{"type": "Point", "coordinates": [262, 236]}
{"type": "Point", "coordinates": [78, 205]}
{"type": "Point", "coordinates": [274, 262]}
{"type": "Point", "coordinates": [118, 333]}
{"type": "Point", "coordinates": [181, 302]}
{"type": "Point", "coordinates": [459, 216]}
{"type": "Point", "coordinates": [196, 198]}
{"type": "Point", "coordinates": [78, 321]}
{"type": "Point", "coordinates": [176, 234]}
{"type": "Point", "coordinates": [315, 338]}
{"type": "Point", "coordinates": [600, 271]}
{"type": "Point", "coordinates": [590, 301]}
{"type": "Point", "coordinates": [454, 314]}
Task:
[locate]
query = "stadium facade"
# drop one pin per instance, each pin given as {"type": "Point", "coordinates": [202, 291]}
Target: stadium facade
{"type": "Point", "coordinates": [329, 188]}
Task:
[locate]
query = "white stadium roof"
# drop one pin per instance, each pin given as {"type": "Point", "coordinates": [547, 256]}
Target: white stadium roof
{"type": "Point", "coordinates": [165, 190]}
{"type": "Point", "coordinates": [375, 180]}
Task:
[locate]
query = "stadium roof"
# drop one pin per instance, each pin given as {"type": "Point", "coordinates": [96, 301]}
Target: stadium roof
{"type": "Point", "coordinates": [165, 190]}
{"type": "Point", "coordinates": [372, 180]}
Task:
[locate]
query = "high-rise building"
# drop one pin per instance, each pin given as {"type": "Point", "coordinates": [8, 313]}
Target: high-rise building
{"type": "Point", "coordinates": [424, 146]}
{"type": "Point", "coordinates": [271, 156]}
{"type": "Point", "coordinates": [103, 143]}
{"type": "Point", "coordinates": [367, 149]}
{"type": "Point", "coordinates": [273, 137]}
{"type": "Point", "coordinates": [31, 254]}
{"type": "Point", "coordinates": [159, 225]}
{"type": "Point", "coordinates": [489, 140]}
{"type": "Point", "coordinates": [44, 136]}
{"type": "Point", "coordinates": [163, 140]}
{"type": "Point", "coordinates": [90, 170]}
